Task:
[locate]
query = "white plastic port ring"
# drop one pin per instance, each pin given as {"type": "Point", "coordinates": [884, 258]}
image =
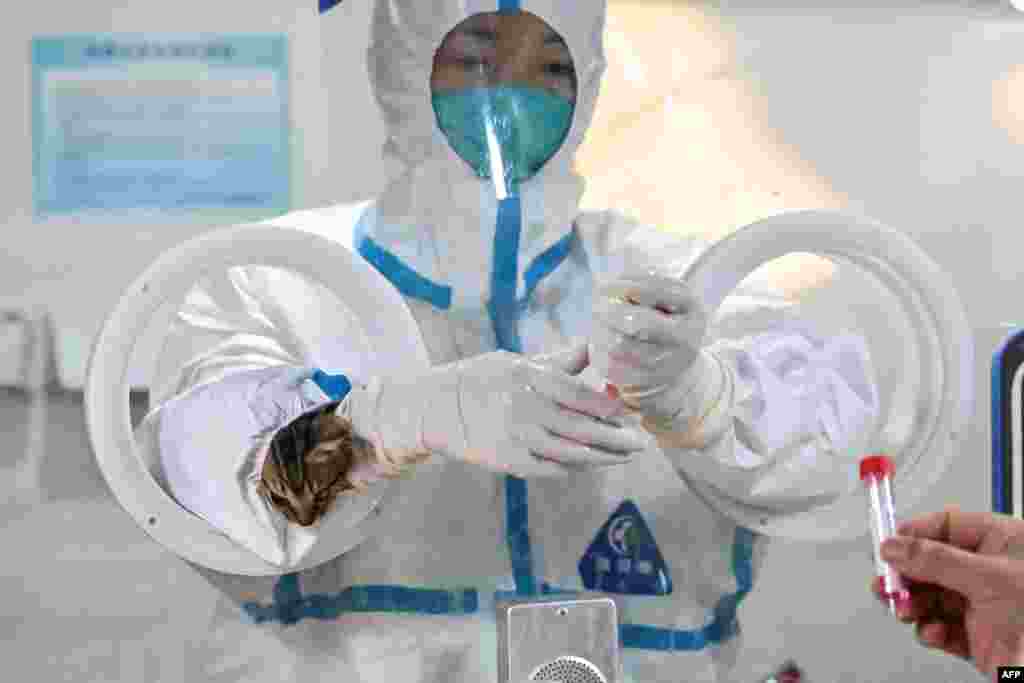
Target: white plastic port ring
{"type": "Point", "coordinates": [942, 407]}
{"type": "Point", "coordinates": [378, 307]}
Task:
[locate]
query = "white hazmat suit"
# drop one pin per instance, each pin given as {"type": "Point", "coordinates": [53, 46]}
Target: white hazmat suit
{"type": "Point", "coordinates": [671, 535]}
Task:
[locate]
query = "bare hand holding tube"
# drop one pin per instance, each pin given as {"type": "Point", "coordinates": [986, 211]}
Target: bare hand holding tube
{"type": "Point", "coordinates": [965, 571]}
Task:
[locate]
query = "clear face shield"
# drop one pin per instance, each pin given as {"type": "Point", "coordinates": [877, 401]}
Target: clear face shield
{"type": "Point", "coordinates": [503, 88]}
{"type": "Point", "coordinates": [504, 91]}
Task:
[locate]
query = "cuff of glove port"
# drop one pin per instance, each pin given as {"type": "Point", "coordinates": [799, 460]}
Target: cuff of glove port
{"type": "Point", "coordinates": [405, 421]}
{"type": "Point", "coordinates": [366, 464]}
{"type": "Point", "coordinates": [699, 407]}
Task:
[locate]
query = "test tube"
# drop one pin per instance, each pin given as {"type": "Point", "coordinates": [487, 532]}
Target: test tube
{"type": "Point", "coordinates": [876, 474]}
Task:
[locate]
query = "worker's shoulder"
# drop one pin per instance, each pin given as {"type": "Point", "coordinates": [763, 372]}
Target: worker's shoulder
{"type": "Point", "coordinates": [600, 233]}
{"type": "Point", "coordinates": [591, 221]}
{"type": "Point", "coordinates": [615, 226]}
{"type": "Point", "coordinates": [614, 242]}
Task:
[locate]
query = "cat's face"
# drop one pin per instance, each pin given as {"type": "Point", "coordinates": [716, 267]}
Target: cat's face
{"type": "Point", "coordinates": [305, 469]}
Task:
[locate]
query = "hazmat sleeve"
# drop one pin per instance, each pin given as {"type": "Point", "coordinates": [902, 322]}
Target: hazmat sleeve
{"type": "Point", "coordinates": [248, 351]}
{"type": "Point", "coordinates": [792, 401]}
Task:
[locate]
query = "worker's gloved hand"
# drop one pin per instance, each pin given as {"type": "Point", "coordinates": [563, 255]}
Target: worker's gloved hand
{"type": "Point", "coordinates": [525, 416]}
{"type": "Point", "coordinates": [648, 330]}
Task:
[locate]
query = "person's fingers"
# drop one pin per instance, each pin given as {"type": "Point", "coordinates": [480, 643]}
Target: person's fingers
{"type": "Point", "coordinates": [930, 601]}
{"type": "Point", "coordinates": [632, 380]}
{"type": "Point", "coordinates": [589, 432]}
{"type": "Point", "coordinates": [952, 604]}
{"type": "Point", "coordinates": [937, 635]}
{"type": "Point", "coordinates": [957, 642]}
{"type": "Point", "coordinates": [920, 604]}
{"type": "Point", "coordinates": [673, 295]}
{"type": "Point", "coordinates": [542, 467]}
{"type": "Point", "coordinates": [964, 530]}
{"type": "Point", "coordinates": [551, 446]}
{"type": "Point", "coordinates": [626, 370]}
{"type": "Point", "coordinates": [531, 463]}
{"type": "Point", "coordinates": [553, 385]}
{"type": "Point", "coordinates": [950, 637]}
{"type": "Point", "coordinates": [630, 351]}
{"type": "Point", "coordinates": [646, 324]}
{"type": "Point", "coordinates": [1015, 541]}
{"type": "Point", "coordinates": [1002, 536]}
{"type": "Point", "coordinates": [944, 565]}
{"type": "Point", "coordinates": [918, 608]}
{"type": "Point", "coordinates": [572, 360]}
{"type": "Point", "coordinates": [932, 634]}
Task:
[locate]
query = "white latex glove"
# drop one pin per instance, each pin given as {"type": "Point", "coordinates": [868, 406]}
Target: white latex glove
{"type": "Point", "coordinates": [525, 416]}
{"type": "Point", "coordinates": [648, 330]}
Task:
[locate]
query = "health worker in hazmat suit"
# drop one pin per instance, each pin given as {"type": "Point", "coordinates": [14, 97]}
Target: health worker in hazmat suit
{"type": "Point", "coordinates": [500, 471]}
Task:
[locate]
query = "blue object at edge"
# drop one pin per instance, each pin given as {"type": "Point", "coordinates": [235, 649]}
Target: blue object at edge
{"type": "Point", "coordinates": [1000, 440]}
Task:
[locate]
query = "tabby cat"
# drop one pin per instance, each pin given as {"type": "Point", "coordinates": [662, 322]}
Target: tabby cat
{"type": "Point", "coordinates": [318, 457]}
{"type": "Point", "coordinates": [307, 465]}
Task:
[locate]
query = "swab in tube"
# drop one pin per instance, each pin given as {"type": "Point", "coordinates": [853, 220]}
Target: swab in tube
{"type": "Point", "coordinates": [876, 474]}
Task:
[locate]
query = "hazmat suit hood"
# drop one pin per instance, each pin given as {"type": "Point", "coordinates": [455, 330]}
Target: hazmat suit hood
{"type": "Point", "coordinates": [405, 36]}
{"type": "Point", "coordinates": [437, 217]}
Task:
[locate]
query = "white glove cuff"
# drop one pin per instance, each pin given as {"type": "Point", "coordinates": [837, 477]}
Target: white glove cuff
{"type": "Point", "coordinates": [404, 419]}
{"type": "Point", "coordinates": [359, 408]}
{"type": "Point", "coordinates": [704, 396]}
{"type": "Point", "coordinates": [443, 416]}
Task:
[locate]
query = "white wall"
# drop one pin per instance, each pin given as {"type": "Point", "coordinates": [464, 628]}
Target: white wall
{"type": "Point", "coordinates": [78, 269]}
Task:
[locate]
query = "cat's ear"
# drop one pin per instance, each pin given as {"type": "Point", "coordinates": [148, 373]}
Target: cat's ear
{"type": "Point", "coordinates": [334, 445]}
{"type": "Point", "coordinates": [330, 427]}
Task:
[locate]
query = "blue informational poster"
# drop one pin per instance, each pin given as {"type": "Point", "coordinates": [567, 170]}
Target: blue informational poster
{"type": "Point", "coordinates": [161, 123]}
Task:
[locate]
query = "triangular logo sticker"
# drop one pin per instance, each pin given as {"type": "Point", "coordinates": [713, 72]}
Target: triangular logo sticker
{"type": "Point", "coordinates": [623, 557]}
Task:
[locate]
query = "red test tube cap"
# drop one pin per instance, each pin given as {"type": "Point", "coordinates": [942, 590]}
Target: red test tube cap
{"type": "Point", "coordinates": [876, 466]}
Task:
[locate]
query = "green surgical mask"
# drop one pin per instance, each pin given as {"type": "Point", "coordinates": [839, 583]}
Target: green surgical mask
{"type": "Point", "coordinates": [529, 125]}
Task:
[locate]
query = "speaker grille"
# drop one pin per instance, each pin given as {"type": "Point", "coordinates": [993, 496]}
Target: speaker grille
{"type": "Point", "coordinates": [569, 670]}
